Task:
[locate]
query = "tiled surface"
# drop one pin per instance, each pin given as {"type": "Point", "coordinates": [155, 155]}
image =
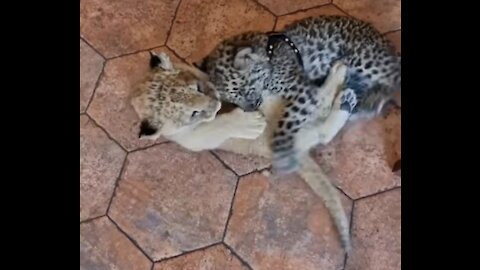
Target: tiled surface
{"type": "Point", "coordinates": [172, 208]}
{"type": "Point", "coordinates": [323, 10]}
{"type": "Point", "coordinates": [217, 257]}
{"type": "Point", "coordinates": [396, 38]}
{"type": "Point", "coordinates": [110, 106]}
{"type": "Point", "coordinates": [281, 224]}
{"type": "Point", "coordinates": [384, 14]}
{"type": "Point", "coordinates": [100, 164]}
{"type": "Point", "coordinates": [104, 247]}
{"type": "Point", "coordinates": [117, 27]}
{"type": "Point", "coordinates": [201, 25]}
{"type": "Point", "coordinates": [241, 164]}
{"type": "Point", "coordinates": [168, 207]}
{"type": "Point", "coordinates": [281, 7]}
{"type": "Point", "coordinates": [360, 159]}
{"type": "Point", "coordinates": [91, 64]}
{"type": "Point", "coordinates": [376, 233]}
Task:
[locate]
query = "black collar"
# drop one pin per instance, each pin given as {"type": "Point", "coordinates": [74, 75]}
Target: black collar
{"type": "Point", "coordinates": [274, 38]}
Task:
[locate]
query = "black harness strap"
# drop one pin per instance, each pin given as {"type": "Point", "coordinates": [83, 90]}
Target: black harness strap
{"type": "Point", "coordinates": [274, 38]}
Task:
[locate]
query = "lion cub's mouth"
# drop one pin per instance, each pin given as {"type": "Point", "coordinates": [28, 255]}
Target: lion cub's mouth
{"type": "Point", "coordinates": [226, 107]}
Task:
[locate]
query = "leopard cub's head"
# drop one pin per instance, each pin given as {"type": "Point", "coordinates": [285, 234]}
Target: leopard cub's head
{"type": "Point", "coordinates": [239, 73]}
{"type": "Point", "coordinates": [172, 98]}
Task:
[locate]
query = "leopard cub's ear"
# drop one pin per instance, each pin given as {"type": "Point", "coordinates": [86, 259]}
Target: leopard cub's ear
{"type": "Point", "coordinates": [244, 57]}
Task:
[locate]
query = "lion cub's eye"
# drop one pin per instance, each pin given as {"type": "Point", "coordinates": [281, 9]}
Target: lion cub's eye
{"type": "Point", "coordinates": [199, 88]}
{"type": "Point", "coordinates": [195, 113]}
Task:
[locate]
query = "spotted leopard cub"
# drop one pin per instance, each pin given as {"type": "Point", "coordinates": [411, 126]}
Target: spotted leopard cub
{"type": "Point", "coordinates": [293, 64]}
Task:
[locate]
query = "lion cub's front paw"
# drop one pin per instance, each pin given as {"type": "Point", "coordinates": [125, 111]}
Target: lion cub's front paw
{"type": "Point", "coordinates": [247, 125]}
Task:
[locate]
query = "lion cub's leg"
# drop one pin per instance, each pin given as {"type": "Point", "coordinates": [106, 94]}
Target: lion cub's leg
{"type": "Point", "coordinates": [272, 109]}
{"type": "Point", "coordinates": [210, 135]}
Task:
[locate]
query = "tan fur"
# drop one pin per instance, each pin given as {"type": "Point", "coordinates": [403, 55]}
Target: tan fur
{"type": "Point", "coordinates": [247, 133]}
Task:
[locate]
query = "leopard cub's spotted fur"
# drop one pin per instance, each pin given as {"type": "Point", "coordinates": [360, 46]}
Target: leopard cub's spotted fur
{"type": "Point", "coordinates": [244, 75]}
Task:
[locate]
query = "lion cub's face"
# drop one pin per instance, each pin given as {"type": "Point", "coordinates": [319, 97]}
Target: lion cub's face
{"type": "Point", "coordinates": [173, 98]}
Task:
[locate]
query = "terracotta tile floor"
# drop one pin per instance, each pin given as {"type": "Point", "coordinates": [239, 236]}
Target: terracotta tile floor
{"type": "Point", "coordinates": [156, 206]}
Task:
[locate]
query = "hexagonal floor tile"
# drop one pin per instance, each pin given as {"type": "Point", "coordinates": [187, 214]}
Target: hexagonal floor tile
{"type": "Point", "coordinates": [281, 7]}
{"type": "Point", "coordinates": [396, 38]}
{"type": "Point", "coordinates": [384, 14]}
{"type": "Point", "coordinates": [242, 164]}
{"type": "Point", "coordinates": [281, 224]}
{"type": "Point", "coordinates": [282, 21]}
{"type": "Point", "coordinates": [91, 65]}
{"type": "Point", "coordinates": [171, 200]}
{"type": "Point", "coordinates": [101, 160]}
{"type": "Point", "coordinates": [360, 159]}
{"type": "Point", "coordinates": [397, 168]}
{"type": "Point", "coordinates": [116, 27]}
{"type": "Point", "coordinates": [200, 25]}
{"type": "Point", "coordinates": [104, 247]}
{"type": "Point", "coordinates": [217, 257]}
{"type": "Point", "coordinates": [111, 106]}
{"type": "Point", "coordinates": [392, 125]}
{"type": "Point", "coordinates": [376, 233]}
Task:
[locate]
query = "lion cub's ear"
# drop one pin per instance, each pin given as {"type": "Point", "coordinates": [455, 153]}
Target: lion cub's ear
{"type": "Point", "coordinates": [146, 129]}
{"type": "Point", "coordinates": [160, 60]}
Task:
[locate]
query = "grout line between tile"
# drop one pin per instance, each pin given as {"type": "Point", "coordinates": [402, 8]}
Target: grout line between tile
{"type": "Point", "coordinates": [275, 23]}
{"type": "Point", "coordinates": [188, 252]}
{"type": "Point", "coordinates": [130, 238]}
{"type": "Point", "coordinates": [344, 193]}
{"type": "Point", "coordinates": [91, 219]}
{"type": "Point", "coordinates": [117, 182]}
{"type": "Point", "coordinates": [105, 131]}
{"type": "Point", "coordinates": [338, 7]}
{"type": "Point", "coordinates": [173, 21]}
{"type": "Point", "coordinates": [269, 169]}
{"type": "Point", "coordinates": [177, 55]}
{"type": "Point", "coordinates": [147, 147]}
{"type": "Point", "coordinates": [238, 256]}
{"type": "Point", "coordinates": [392, 31]}
{"type": "Point", "coordinates": [119, 144]}
{"type": "Point", "coordinates": [265, 7]}
{"type": "Point", "coordinates": [135, 52]}
{"type": "Point", "coordinates": [223, 163]}
{"type": "Point", "coordinates": [96, 86]}
{"type": "Point", "coordinates": [378, 193]}
{"type": "Point", "coordinates": [304, 9]}
{"type": "Point", "coordinates": [230, 211]}
{"type": "Point", "coordinates": [93, 48]}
